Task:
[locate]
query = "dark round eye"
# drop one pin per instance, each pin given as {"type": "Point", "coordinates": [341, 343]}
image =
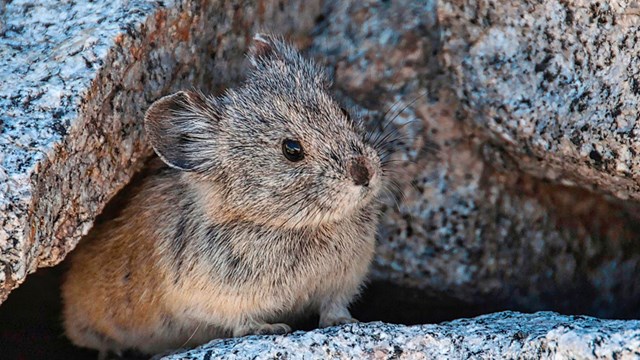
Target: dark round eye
{"type": "Point", "coordinates": [345, 113]}
{"type": "Point", "coordinates": [292, 150]}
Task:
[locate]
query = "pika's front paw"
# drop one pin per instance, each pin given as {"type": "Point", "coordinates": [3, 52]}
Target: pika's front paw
{"type": "Point", "coordinates": [337, 321]}
{"type": "Point", "coordinates": [335, 313]}
{"type": "Point", "coordinates": [263, 329]}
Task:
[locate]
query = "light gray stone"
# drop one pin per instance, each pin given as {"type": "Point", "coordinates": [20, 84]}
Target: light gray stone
{"type": "Point", "coordinates": [554, 83]}
{"type": "Point", "coordinates": [505, 335]}
{"type": "Point", "coordinates": [76, 80]}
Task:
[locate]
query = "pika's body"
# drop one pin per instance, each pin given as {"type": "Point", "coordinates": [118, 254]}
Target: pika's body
{"type": "Point", "coordinates": [267, 210]}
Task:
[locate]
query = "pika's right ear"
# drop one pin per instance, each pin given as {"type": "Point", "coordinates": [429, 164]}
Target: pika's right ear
{"type": "Point", "coordinates": [263, 47]}
{"type": "Point", "coordinates": [178, 126]}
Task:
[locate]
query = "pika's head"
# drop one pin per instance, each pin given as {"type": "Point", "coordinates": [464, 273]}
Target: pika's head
{"type": "Point", "coordinates": [278, 150]}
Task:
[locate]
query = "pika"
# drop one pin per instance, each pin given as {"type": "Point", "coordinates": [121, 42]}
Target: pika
{"type": "Point", "coordinates": [266, 209]}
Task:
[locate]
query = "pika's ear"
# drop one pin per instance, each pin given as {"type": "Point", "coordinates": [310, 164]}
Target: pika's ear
{"type": "Point", "coordinates": [263, 47]}
{"type": "Point", "coordinates": [178, 126]}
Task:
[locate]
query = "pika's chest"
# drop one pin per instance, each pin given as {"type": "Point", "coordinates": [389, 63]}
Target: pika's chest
{"type": "Point", "coordinates": [295, 277]}
{"type": "Point", "coordinates": [301, 258]}
{"type": "Point", "coordinates": [254, 271]}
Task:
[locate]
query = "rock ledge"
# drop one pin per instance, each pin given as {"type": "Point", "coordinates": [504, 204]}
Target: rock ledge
{"type": "Point", "coordinates": [500, 335]}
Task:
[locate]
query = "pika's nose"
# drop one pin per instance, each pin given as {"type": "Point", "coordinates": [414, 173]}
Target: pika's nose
{"type": "Point", "coordinates": [360, 171]}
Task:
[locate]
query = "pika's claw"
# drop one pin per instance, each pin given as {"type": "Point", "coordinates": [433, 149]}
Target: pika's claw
{"type": "Point", "coordinates": [273, 329]}
{"type": "Point", "coordinates": [338, 321]}
{"type": "Point", "coordinates": [263, 329]}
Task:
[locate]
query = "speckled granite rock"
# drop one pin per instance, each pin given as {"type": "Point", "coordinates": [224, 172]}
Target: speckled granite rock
{"type": "Point", "coordinates": [504, 335]}
{"type": "Point", "coordinates": [76, 79]}
{"type": "Point", "coordinates": [554, 83]}
{"type": "Point", "coordinates": [469, 223]}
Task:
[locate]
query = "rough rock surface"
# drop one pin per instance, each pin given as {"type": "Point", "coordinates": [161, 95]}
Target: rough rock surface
{"type": "Point", "coordinates": [77, 77]}
{"type": "Point", "coordinates": [555, 83]}
{"type": "Point", "coordinates": [505, 335]}
{"type": "Point", "coordinates": [466, 222]}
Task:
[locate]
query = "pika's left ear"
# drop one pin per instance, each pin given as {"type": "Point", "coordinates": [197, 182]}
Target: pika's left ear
{"type": "Point", "coordinates": [180, 128]}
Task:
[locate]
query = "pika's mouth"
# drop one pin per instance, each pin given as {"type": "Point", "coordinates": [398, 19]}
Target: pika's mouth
{"type": "Point", "coordinates": [363, 195]}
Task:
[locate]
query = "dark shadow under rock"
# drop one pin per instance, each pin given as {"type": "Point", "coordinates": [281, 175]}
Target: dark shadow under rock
{"type": "Point", "coordinates": [31, 328]}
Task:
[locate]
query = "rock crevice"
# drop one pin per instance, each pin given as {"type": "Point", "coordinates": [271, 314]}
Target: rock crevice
{"type": "Point", "coordinates": [80, 76]}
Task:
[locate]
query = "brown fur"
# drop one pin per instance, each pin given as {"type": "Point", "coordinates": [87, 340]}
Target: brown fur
{"type": "Point", "coordinates": [233, 238]}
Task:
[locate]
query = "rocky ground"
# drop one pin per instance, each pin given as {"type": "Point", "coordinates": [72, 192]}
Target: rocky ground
{"type": "Point", "coordinates": [517, 171]}
{"type": "Point", "coordinates": [504, 335]}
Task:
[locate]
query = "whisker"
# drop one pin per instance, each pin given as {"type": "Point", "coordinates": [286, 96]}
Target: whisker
{"type": "Point", "coordinates": [392, 118]}
{"type": "Point", "coordinates": [382, 139]}
{"type": "Point", "coordinates": [398, 161]}
{"type": "Point", "coordinates": [191, 337]}
{"type": "Point", "coordinates": [413, 101]}
{"type": "Point", "coordinates": [390, 194]}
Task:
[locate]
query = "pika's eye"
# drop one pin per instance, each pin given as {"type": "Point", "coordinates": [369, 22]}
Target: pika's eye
{"type": "Point", "coordinates": [292, 150]}
{"type": "Point", "coordinates": [345, 113]}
